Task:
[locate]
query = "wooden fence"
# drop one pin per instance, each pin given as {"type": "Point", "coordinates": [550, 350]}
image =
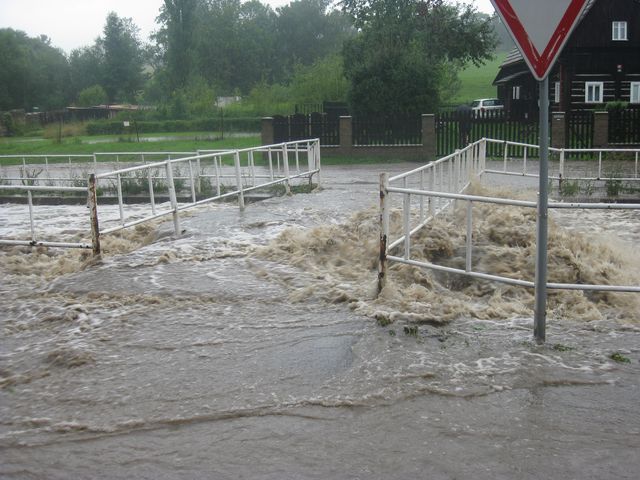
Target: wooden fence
{"type": "Point", "coordinates": [451, 130]}
{"type": "Point", "coordinates": [301, 127]}
{"type": "Point", "coordinates": [456, 129]}
{"type": "Point", "coordinates": [387, 130]}
{"type": "Point", "coordinates": [624, 127]}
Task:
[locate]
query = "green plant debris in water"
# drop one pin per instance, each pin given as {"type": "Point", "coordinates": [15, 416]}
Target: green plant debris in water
{"type": "Point", "coordinates": [559, 347]}
{"type": "Point", "coordinates": [411, 331]}
{"type": "Point", "coordinates": [620, 358]}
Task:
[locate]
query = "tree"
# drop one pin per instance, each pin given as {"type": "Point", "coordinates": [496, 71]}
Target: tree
{"type": "Point", "coordinates": [86, 67]}
{"type": "Point", "coordinates": [122, 67]}
{"type": "Point", "coordinates": [308, 30]}
{"type": "Point", "coordinates": [324, 80]}
{"type": "Point", "coordinates": [408, 51]}
{"type": "Point", "coordinates": [91, 96]}
{"type": "Point", "coordinates": [176, 39]}
{"type": "Point", "coordinates": [32, 72]}
{"type": "Point", "coordinates": [235, 44]}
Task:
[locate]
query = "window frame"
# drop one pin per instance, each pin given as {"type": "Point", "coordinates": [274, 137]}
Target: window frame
{"type": "Point", "coordinates": [515, 92]}
{"type": "Point", "coordinates": [619, 31]}
{"type": "Point", "coordinates": [636, 99]}
{"type": "Point", "coordinates": [594, 85]}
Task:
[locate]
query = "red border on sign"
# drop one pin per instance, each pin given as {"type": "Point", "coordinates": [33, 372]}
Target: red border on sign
{"type": "Point", "coordinates": [540, 63]}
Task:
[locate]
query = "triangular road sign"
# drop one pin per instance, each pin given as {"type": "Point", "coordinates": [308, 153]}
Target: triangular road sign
{"type": "Point", "coordinates": [540, 28]}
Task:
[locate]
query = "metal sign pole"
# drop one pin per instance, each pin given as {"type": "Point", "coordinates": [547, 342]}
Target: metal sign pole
{"type": "Point", "coordinates": [540, 309]}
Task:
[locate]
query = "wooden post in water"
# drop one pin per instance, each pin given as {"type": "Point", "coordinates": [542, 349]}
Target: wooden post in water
{"type": "Point", "coordinates": [384, 231]}
{"type": "Point", "coordinates": [93, 214]}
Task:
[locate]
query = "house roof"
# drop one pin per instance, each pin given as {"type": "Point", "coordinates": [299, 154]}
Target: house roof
{"type": "Point", "coordinates": [514, 56]}
{"type": "Point", "coordinates": [507, 78]}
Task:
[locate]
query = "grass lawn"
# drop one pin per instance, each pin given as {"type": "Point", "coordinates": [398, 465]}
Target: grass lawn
{"type": "Point", "coordinates": [187, 142]}
{"type": "Point", "coordinates": [179, 142]}
{"type": "Point", "coordinates": [477, 81]}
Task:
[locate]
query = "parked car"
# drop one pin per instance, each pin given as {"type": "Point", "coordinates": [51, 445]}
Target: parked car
{"type": "Point", "coordinates": [481, 106]}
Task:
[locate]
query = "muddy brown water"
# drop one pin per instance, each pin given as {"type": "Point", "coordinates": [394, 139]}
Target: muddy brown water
{"type": "Point", "coordinates": [249, 348]}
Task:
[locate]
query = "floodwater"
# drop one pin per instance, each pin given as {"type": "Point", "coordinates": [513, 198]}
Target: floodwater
{"type": "Point", "coordinates": [253, 347]}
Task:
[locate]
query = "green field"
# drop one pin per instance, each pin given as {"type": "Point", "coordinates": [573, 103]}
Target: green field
{"type": "Point", "coordinates": [182, 142]}
{"type": "Point", "coordinates": [477, 81]}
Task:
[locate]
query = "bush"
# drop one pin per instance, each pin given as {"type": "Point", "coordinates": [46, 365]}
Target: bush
{"type": "Point", "coordinates": [55, 131]}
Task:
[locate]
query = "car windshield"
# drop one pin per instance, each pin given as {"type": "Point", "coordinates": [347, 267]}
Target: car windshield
{"type": "Point", "coordinates": [475, 103]}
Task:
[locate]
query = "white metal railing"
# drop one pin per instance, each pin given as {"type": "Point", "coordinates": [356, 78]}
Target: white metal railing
{"type": "Point", "coordinates": [33, 236]}
{"type": "Point", "coordinates": [559, 171]}
{"type": "Point", "coordinates": [442, 192]}
{"type": "Point", "coordinates": [284, 162]}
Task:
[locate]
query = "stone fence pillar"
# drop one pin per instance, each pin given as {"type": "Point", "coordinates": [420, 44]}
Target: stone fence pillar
{"type": "Point", "coordinates": [346, 135]}
{"type": "Point", "coordinates": [600, 129]}
{"type": "Point", "coordinates": [558, 130]}
{"type": "Point", "coordinates": [267, 131]}
{"type": "Point", "coordinates": [429, 139]}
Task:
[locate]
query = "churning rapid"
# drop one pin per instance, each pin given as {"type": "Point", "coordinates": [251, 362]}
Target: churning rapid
{"type": "Point", "coordinates": [254, 346]}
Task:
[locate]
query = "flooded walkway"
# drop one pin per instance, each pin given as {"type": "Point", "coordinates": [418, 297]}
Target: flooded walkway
{"type": "Point", "coordinates": [249, 348]}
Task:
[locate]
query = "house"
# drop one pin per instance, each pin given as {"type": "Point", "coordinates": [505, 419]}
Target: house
{"type": "Point", "coordinates": [599, 64]}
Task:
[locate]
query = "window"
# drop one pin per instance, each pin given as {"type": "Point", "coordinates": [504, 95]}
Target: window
{"type": "Point", "coordinates": [515, 93]}
{"type": "Point", "coordinates": [635, 92]}
{"type": "Point", "coordinates": [619, 31]}
{"type": "Point", "coordinates": [556, 92]}
{"type": "Point", "coordinates": [593, 92]}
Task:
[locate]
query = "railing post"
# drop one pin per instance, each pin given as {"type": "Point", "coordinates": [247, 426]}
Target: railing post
{"type": "Point", "coordinates": [93, 214]}
{"type": "Point", "coordinates": [270, 164]}
{"type": "Point", "coordinates": [450, 165]}
{"type": "Point", "coordinates": [469, 235]}
{"type": "Point", "coordinates": [199, 174]}
{"type": "Point", "coordinates": [406, 224]}
{"type": "Point", "coordinates": [432, 181]}
{"type": "Point", "coordinates": [506, 154]}
{"type": "Point", "coordinates": [30, 200]}
{"type": "Point", "coordinates": [216, 163]}
{"type": "Point", "coordinates": [193, 182]}
{"type": "Point", "coordinates": [252, 169]}
{"type": "Point", "coordinates": [384, 232]}
{"type": "Point", "coordinates": [285, 162]}
{"type": "Point", "coordinates": [240, 189]}
{"type": "Point", "coordinates": [120, 200]}
{"type": "Point", "coordinates": [599, 165]}
{"type": "Point", "coordinates": [441, 201]}
{"type": "Point", "coordinates": [318, 160]}
{"type": "Point", "coordinates": [173, 198]}
{"type": "Point", "coordinates": [421, 196]}
{"type": "Point", "coordinates": [151, 194]}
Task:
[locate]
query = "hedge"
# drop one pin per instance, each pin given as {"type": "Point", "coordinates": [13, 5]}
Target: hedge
{"type": "Point", "coordinates": [232, 124]}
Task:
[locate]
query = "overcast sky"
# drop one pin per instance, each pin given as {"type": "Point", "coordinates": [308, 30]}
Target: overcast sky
{"type": "Point", "coordinates": [77, 23]}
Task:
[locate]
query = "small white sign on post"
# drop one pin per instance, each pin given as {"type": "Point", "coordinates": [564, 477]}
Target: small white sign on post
{"type": "Point", "coordinates": [126, 123]}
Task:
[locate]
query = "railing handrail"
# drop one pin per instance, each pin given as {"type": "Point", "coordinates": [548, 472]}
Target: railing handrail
{"type": "Point", "coordinates": [285, 153]}
{"type": "Point", "coordinates": [457, 179]}
{"type": "Point", "coordinates": [556, 149]}
{"type": "Point", "coordinates": [435, 162]}
{"type": "Point", "coordinates": [198, 156]}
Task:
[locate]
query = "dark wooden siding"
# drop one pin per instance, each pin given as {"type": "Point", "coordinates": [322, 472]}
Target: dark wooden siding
{"type": "Point", "coordinates": [590, 56]}
{"type": "Point", "coordinates": [595, 29]}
